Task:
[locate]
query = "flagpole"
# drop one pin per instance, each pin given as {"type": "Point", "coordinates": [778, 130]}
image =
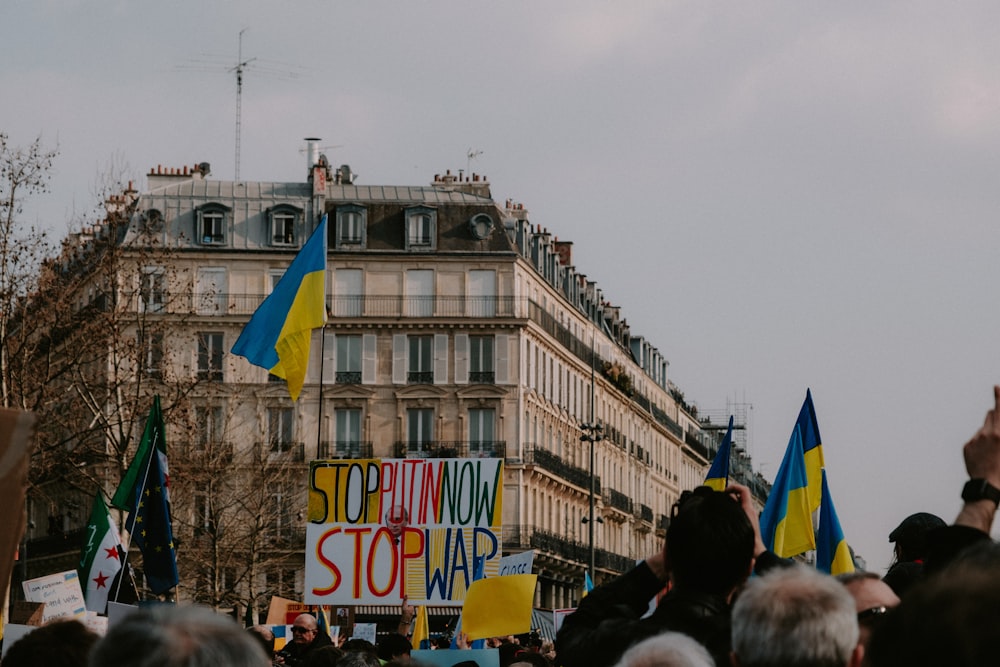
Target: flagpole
{"type": "Point", "coordinates": [130, 524]}
{"type": "Point", "coordinates": [319, 411]}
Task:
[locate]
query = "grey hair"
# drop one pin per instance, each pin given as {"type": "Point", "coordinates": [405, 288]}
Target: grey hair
{"type": "Point", "coordinates": [794, 616]}
{"type": "Point", "coordinates": [669, 649]}
{"type": "Point", "coordinates": [177, 636]}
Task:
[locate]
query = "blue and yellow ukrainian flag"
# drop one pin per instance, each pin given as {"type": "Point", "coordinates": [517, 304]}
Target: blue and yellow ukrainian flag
{"type": "Point", "coordinates": [588, 584]}
{"type": "Point", "coordinates": [832, 553]}
{"type": "Point", "coordinates": [786, 522]}
{"type": "Point", "coordinates": [277, 336]}
{"type": "Point", "coordinates": [718, 474]}
{"type": "Point", "coordinates": [812, 449]}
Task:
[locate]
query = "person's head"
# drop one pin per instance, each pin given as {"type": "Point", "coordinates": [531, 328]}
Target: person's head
{"type": "Point", "coordinates": [670, 649]}
{"type": "Point", "coordinates": [359, 659]}
{"type": "Point", "coordinates": [709, 544]}
{"type": "Point", "coordinates": [393, 646]}
{"type": "Point", "coordinates": [324, 656]}
{"type": "Point", "coordinates": [873, 598]}
{"type": "Point", "coordinates": [177, 636]}
{"type": "Point", "coordinates": [795, 616]}
{"type": "Point", "coordinates": [952, 618]}
{"type": "Point", "coordinates": [57, 644]}
{"type": "Point", "coordinates": [910, 536]}
{"type": "Point", "coordinates": [304, 629]}
{"type": "Point", "coordinates": [358, 645]}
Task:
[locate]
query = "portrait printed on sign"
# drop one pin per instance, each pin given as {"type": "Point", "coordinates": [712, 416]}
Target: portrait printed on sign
{"type": "Point", "coordinates": [380, 529]}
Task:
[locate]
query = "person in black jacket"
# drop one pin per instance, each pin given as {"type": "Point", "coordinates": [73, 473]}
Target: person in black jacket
{"type": "Point", "coordinates": [710, 549]}
{"type": "Point", "coordinates": [306, 638]}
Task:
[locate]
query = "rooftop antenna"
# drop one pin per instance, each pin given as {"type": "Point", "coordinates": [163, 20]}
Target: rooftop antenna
{"type": "Point", "coordinates": [240, 64]}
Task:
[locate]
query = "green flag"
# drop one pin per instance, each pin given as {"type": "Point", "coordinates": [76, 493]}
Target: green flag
{"type": "Point", "coordinates": [100, 557]}
{"type": "Point", "coordinates": [152, 438]}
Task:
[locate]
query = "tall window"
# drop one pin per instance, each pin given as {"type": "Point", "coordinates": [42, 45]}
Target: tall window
{"type": "Point", "coordinates": [348, 293]}
{"type": "Point", "coordinates": [211, 290]}
{"type": "Point", "coordinates": [481, 360]}
{"type": "Point", "coordinates": [283, 229]}
{"type": "Point", "coordinates": [482, 431]}
{"type": "Point", "coordinates": [420, 293]}
{"type": "Point", "coordinates": [421, 360]}
{"type": "Point", "coordinates": [482, 294]}
{"type": "Point", "coordinates": [210, 425]}
{"type": "Point", "coordinates": [419, 429]}
{"type": "Point", "coordinates": [421, 228]}
{"type": "Point", "coordinates": [210, 356]}
{"type": "Point", "coordinates": [211, 222]}
{"type": "Point", "coordinates": [151, 349]}
{"type": "Point", "coordinates": [348, 424]}
{"type": "Point", "coordinates": [348, 359]}
{"type": "Point", "coordinates": [280, 429]}
{"type": "Point", "coordinates": [152, 290]}
{"type": "Point", "coordinates": [350, 227]}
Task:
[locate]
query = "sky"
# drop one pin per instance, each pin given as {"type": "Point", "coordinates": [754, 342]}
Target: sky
{"type": "Point", "coordinates": [781, 196]}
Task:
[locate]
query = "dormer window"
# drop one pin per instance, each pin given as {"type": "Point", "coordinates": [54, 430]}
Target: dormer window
{"type": "Point", "coordinates": [211, 224]}
{"type": "Point", "coordinates": [352, 227]}
{"type": "Point", "coordinates": [283, 221]}
{"type": "Point", "coordinates": [421, 228]}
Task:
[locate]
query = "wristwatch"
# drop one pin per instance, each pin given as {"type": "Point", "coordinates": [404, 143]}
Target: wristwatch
{"type": "Point", "coordinates": [980, 489]}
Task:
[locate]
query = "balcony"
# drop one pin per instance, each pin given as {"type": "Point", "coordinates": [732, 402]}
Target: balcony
{"type": "Point", "coordinates": [344, 450]}
{"type": "Point", "coordinates": [349, 377]}
{"type": "Point", "coordinates": [482, 377]}
{"type": "Point", "coordinates": [554, 464]}
{"type": "Point", "coordinates": [486, 449]}
{"type": "Point", "coordinates": [646, 513]}
{"type": "Point", "coordinates": [551, 544]}
{"type": "Point", "coordinates": [420, 377]}
{"type": "Point", "coordinates": [293, 452]}
{"type": "Point", "coordinates": [618, 500]}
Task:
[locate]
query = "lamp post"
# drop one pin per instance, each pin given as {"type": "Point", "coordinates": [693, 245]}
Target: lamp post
{"type": "Point", "coordinates": [592, 434]}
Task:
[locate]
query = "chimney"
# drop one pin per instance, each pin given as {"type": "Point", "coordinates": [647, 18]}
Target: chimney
{"type": "Point", "coordinates": [312, 153]}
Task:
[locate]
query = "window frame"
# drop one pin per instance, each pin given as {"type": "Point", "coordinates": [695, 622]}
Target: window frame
{"type": "Point", "coordinates": [288, 217]}
{"type": "Point", "coordinates": [212, 213]}
{"type": "Point", "coordinates": [345, 218]}
{"type": "Point", "coordinates": [425, 238]}
{"type": "Point", "coordinates": [210, 356]}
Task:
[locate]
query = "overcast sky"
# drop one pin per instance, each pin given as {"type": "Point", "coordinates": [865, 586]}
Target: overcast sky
{"type": "Point", "coordinates": [779, 195]}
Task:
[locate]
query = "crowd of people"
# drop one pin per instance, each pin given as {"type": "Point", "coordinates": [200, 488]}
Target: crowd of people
{"type": "Point", "coordinates": [728, 601]}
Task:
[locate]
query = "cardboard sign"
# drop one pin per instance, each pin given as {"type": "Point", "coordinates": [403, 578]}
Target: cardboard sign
{"type": "Point", "coordinates": [61, 594]}
{"type": "Point", "coordinates": [380, 529]}
{"type": "Point", "coordinates": [517, 564]}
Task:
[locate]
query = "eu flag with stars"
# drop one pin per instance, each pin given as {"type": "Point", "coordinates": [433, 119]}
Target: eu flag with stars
{"type": "Point", "coordinates": [151, 530]}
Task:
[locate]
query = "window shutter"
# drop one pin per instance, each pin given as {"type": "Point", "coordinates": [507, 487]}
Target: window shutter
{"type": "Point", "coordinates": [440, 358]}
{"type": "Point", "coordinates": [461, 358]}
{"type": "Point", "coordinates": [329, 358]}
{"type": "Point", "coordinates": [399, 359]}
{"type": "Point", "coordinates": [501, 350]}
{"type": "Point", "coordinates": [368, 359]}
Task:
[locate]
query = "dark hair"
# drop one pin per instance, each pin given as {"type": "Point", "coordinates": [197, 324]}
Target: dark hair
{"type": "Point", "coordinates": [709, 542]}
{"type": "Point", "coordinates": [393, 644]}
{"type": "Point", "coordinates": [360, 646]}
{"type": "Point", "coordinates": [58, 644]}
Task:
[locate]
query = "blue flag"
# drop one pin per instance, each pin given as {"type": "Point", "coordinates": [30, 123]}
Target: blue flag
{"type": "Point", "coordinates": [279, 333]}
{"type": "Point", "coordinates": [718, 474]}
{"type": "Point", "coordinates": [832, 553]}
{"type": "Point", "coordinates": [150, 527]}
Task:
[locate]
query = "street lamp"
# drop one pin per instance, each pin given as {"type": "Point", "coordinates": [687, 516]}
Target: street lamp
{"type": "Point", "coordinates": [592, 433]}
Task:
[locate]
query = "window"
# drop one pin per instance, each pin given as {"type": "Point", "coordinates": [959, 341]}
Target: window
{"type": "Point", "coordinates": [210, 356]}
{"type": "Point", "coordinates": [151, 361]}
{"type": "Point", "coordinates": [348, 424]}
{"type": "Point", "coordinates": [419, 429]}
{"type": "Point", "coordinates": [482, 431]}
{"type": "Point", "coordinates": [420, 293]}
{"type": "Point", "coordinates": [348, 360]}
{"type": "Point", "coordinates": [481, 360]}
{"type": "Point", "coordinates": [482, 294]}
{"type": "Point", "coordinates": [421, 228]}
{"type": "Point", "coordinates": [281, 517]}
{"type": "Point", "coordinates": [152, 290]}
{"type": "Point", "coordinates": [211, 291]}
{"type": "Point", "coordinates": [208, 420]}
{"type": "Point", "coordinates": [348, 293]}
{"type": "Point", "coordinates": [279, 429]}
{"type": "Point", "coordinates": [211, 224]}
{"type": "Point", "coordinates": [283, 229]}
{"type": "Point", "coordinates": [351, 227]}
{"type": "Point", "coordinates": [204, 523]}
{"type": "Point", "coordinates": [421, 360]}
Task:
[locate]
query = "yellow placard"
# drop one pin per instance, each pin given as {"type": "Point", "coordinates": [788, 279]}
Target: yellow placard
{"type": "Point", "coordinates": [498, 606]}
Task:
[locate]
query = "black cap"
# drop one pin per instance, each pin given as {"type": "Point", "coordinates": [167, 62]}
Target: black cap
{"type": "Point", "coordinates": [914, 527]}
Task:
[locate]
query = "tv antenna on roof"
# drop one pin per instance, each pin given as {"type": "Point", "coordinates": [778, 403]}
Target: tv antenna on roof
{"type": "Point", "coordinates": [260, 67]}
{"type": "Point", "coordinates": [240, 65]}
{"type": "Point", "coordinates": [470, 155]}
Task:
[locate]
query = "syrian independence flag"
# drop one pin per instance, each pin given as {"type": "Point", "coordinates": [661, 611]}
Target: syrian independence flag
{"type": "Point", "coordinates": [100, 558]}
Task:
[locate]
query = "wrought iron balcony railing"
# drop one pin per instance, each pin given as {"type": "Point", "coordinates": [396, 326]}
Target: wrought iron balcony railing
{"type": "Point", "coordinates": [344, 450]}
{"type": "Point", "coordinates": [487, 449]}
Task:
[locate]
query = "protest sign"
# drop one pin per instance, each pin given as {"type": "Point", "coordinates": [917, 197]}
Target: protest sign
{"type": "Point", "coordinates": [380, 529]}
{"type": "Point", "coordinates": [513, 594]}
{"type": "Point", "coordinates": [61, 594]}
{"type": "Point", "coordinates": [484, 657]}
{"type": "Point", "coordinates": [517, 564]}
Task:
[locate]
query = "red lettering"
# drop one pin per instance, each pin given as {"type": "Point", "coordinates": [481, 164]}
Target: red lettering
{"type": "Point", "coordinates": [334, 570]}
{"type": "Point", "coordinates": [382, 535]}
{"type": "Point", "coordinates": [358, 548]}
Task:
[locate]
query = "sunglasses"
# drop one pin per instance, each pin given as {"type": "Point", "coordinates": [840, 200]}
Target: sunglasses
{"type": "Point", "coordinates": [871, 614]}
{"type": "Point", "coordinates": [296, 630]}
